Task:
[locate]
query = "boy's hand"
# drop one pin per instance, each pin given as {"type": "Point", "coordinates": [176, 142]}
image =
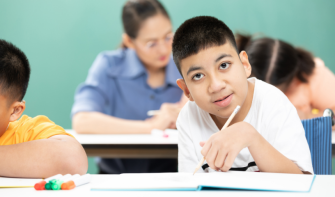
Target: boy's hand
{"type": "Point", "coordinates": [221, 149]}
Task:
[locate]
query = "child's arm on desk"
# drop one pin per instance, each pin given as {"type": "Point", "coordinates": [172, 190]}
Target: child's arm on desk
{"type": "Point", "coordinates": [59, 154]}
{"type": "Point", "coordinates": [99, 123]}
{"type": "Point", "coordinates": [222, 148]}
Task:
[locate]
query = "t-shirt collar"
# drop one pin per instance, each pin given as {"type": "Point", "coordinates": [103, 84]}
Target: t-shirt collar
{"type": "Point", "coordinates": [133, 67]}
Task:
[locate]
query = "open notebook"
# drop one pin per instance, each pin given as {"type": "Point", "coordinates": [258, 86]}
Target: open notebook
{"type": "Point", "coordinates": [206, 181]}
{"type": "Point", "coordinates": [17, 182]}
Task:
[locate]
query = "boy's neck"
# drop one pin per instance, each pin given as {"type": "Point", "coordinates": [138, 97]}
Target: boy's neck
{"type": "Point", "coordinates": [3, 130]}
{"type": "Point", "coordinates": [243, 112]}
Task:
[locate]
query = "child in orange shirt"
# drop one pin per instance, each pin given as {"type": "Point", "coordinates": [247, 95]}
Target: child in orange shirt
{"type": "Point", "coordinates": [30, 147]}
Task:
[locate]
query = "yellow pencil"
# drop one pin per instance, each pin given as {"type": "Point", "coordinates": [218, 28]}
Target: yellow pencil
{"type": "Point", "coordinates": [224, 126]}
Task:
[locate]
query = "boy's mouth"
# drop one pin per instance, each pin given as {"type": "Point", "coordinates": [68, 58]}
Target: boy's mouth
{"type": "Point", "coordinates": [223, 102]}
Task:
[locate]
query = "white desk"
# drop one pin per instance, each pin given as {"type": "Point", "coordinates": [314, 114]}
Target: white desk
{"type": "Point", "coordinates": [323, 186]}
{"type": "Point", "coordinates": [129, 146]}
{"type": "Point", "coordinates": [134, 146]}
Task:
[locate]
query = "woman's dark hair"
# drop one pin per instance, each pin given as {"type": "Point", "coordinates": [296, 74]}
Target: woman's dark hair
{"type": "Point", "coordinates": [135, 12]}
{"type": "Point", "coordinates": [275, 61]}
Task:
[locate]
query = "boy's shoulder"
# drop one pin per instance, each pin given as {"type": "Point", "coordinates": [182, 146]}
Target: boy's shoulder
{"type": "Point", "coordinates": [28, 129]}
{"type": "Point", "coordinates": [190, 109]}
{"type": "Point", "coordinates": [191, 115]}
{"type": "Point", "coordinates": [34, 125]}
{"type": "Point", "coordinates": [265, 89]}
{"type": "Point", "coordinates": [31, 121]}
{"type": "Point", "coordinates": [268, 95]}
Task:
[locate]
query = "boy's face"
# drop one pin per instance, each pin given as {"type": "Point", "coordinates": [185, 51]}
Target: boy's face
{"type": "Point", "coordinates": [4, 113]}
{"type": "Point", "coordinates": [9, 113]}
{"type": "Point", "coordinates": [216, 79]}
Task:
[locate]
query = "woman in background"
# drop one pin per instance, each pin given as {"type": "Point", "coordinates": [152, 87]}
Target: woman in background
{"type": "Point", "coordinates": [305, 79]}
{"type": "Point", "coordinates": [123, 85]}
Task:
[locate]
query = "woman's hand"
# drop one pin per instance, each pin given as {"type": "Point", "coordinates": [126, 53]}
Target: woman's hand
{"type": "Point", "coordinates": [166, 118]}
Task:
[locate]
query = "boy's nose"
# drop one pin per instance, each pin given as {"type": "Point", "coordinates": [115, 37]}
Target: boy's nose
{"type": "Point", "coordinates": [216, 85]}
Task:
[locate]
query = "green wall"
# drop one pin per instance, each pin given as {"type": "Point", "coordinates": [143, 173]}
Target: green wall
{"type": "Point", "coordinates": [61, 38]}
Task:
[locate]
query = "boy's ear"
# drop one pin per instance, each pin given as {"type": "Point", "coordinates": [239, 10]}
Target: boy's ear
{"type": "Point", "coordinates": [17, 110]}
{"type": "Point", "coordinates": [182, 85]}
{"type": "Point", "coordinates": [126, 40]}
{"type": "Point", "coordinates": [245, 62]}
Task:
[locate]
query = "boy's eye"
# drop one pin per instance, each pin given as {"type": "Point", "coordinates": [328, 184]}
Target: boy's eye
{"type": "Point", "coordinates": [197, 76]}
{"type": "Point", "coordinates": [224, 66]}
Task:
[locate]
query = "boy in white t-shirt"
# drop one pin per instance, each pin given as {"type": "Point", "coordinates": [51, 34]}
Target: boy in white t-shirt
{"type": "Point", "coordinates": [265, 135]}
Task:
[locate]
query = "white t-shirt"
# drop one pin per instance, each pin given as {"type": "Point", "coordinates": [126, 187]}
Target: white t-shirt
{"type": "Point", "coordinates": [271, 114]}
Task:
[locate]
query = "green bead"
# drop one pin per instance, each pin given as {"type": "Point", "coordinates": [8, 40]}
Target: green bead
{"type": "Point", "coordinates": [52, 181]}
{"type": "Point", "coordinates": [48, 186]}
{"type": "Point", "coordinates": [56, 185]}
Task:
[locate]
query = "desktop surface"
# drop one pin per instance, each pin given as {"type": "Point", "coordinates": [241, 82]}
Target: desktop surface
{"type": "Point", "coordinates": [323, 186]}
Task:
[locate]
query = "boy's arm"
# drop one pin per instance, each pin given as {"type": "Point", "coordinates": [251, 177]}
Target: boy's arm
{"type": "Point", "coordinates": [268, 159]}
{"type": "Point", "coordinates": [222, 148]}
{"type": "Point", "coordinates": [43, 158]}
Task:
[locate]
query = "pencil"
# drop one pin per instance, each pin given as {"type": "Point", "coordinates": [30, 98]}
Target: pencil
{"type": "Point", "coordinates": [152, 112]}
{"type": "Point", "coordinates": [224, 126]}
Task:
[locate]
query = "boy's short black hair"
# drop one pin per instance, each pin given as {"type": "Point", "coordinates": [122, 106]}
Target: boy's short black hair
{"type": "Point", "coordinates": [199, 33]}
{"type": "Point", "coordinates": [14, 71]}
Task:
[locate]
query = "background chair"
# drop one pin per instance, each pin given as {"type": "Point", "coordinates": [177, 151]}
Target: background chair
{"type": "Point", "coordinates": [318, 133]}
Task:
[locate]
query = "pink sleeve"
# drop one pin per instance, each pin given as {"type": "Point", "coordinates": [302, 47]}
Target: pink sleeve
{"type": "Point", "coordinates": [322, 87]}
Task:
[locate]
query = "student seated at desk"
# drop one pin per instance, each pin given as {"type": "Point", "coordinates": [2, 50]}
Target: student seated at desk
{"type": "Point", "coordinates": [305, 80]}
{"type": "Point", "coordinates": [265, 135]}
{"type": "Point", "coordinates": [123, 85]}
{"type": "Point", "coordinates": [30, 147]}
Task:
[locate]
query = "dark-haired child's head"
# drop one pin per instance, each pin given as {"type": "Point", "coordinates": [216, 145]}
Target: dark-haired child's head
{"type": "Point", "coordinates": [214, 74]}
{"type": "Point", "coordinates": [275, 61]}
{"type": "Point", "coordinates": [14, 78]}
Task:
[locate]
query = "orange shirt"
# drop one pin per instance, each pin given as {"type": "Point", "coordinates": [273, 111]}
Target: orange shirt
{"type": "Point", "coordinates": [318, 93]}
{"type": "Point", "coordinates": [28, 129]}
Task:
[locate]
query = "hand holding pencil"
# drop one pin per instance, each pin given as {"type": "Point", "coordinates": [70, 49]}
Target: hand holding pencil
{"type": "Point", "coordinates": [165, 117]}
{"type": "Point", "coordinates": [224, 127]}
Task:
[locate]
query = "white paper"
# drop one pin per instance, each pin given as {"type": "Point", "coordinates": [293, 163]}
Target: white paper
{"type": "Point", "coordinates": [230, 180]}
{"type": "Point", "coordinates": [127, 139]}
{"type": "Point", "coordinates": [17, 182]}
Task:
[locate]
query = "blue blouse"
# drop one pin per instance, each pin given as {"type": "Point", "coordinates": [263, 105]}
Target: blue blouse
{"type": "Point", "coordinates": [117, 85]}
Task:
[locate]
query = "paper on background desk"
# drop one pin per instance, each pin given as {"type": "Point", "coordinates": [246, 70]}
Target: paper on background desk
{"type": "Point", "coordinates": [186, 181]}
{"type": "Point", "coordinates": [17, 182]}
{"type": "Point", "coordinates": [170, 132]}
{"type": "Point", "coordinates": [156, 138]}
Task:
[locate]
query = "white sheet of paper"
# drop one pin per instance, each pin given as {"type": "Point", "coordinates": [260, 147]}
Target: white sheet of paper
{"type": "Point", "coordinates": [17, 182]}
{"type": "Point", "coordinates": [233, 180]}
{"type": "Point", "coordinates": [126, 139]}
